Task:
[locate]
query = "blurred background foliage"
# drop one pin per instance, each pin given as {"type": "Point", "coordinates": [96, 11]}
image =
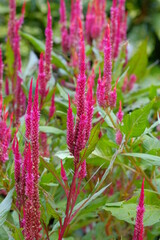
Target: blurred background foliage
{"type": "Point", "coordinates": [143, 23]}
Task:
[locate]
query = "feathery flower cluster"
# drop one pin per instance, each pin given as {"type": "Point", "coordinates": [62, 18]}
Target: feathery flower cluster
{"type": "Point", "coordinates": [5, 133]}
{"type": "Point", "coordinates": [1, 73]}
{"type": "Point", "coordinates": [118, 25]}
{"type": "Point", "coordinates": [95, 19]}
{"type": "Point", "coordinates": [138, 230]}
{"type": "Point", "coordinates": [105, 96]}
{"type": "Point", "coordinates": [128, 84]}
{"type": "Point", "coordinates": [78, 136]}
{"type": "Point", "coordinates": [42, 81]}
{"type": "Point", "coordinates": [26, 171]}
{"type": "Point", "coordinates": [17, 171]}
{"type": "Point", "coordinates": [49, 43]}
{"type": "Point", "coordinates": [64, 30]}
{"type": "Point", "coordinates": [52, 108]}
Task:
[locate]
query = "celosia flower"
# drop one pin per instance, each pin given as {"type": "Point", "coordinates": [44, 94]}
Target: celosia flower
{"type": "Point", "coordinates": [48, 48]}
{"type": "Point", "coordinates": [28, 207]}
{"type": "Point", "coordinates": [36, 227]}
{"type": "Point", "coordinates": [113, 14]}
{"type": "Point", "coordinates": [11, 22]}
{"type": "Point", "coordinates": [17, 171]}
{"type": "Point", "coordinates": [132, 81]}
{"type": "Point", "coordinates": [120, 113]}
{"type": "Point", "coordinates": [52, 108]}
{"type": "Point", "coordinates": [42, 81]}
{"type": "Point", "coordinates": [82, 173]}
{"type": "Point", "coordinates": [6, 86]}
{"type": "Point", "coordinates": [5, 137]}
{"type": "Point", "coordinates": [101, 91]}
{"type": "Point", "coordinates": [70, 128]}
{"type": "Point", "coordinates": [119, 137]}
{"type": "Point", "coordinates": [44, 147]}
{"type": "Point", "coordinates": [138, 230]}
{"type": "Point", "coordinates": [63, 173]}
{"type": "Point", "coordinates": [64, 31]}
{"type": "Point", "coordinates": [1, 72]}
{"type": "Point", "coordinates": [113, 96]}
{"type": "Point", "coordinates": [107, 74]}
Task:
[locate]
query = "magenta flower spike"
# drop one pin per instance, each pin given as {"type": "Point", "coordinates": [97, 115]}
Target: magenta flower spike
{"type": "Point", "coordinates": [11, 22]}
{"type": "Point", "coordinates": [17, 171]}
{"type": "Point", "coordinates": [6, 87]}
{"type": "Point", "coordinates": [28, 207]}
{"type": "Point", "coordinates": [113, 13]}
{"type": "Point", "coordinates": [89, 111]}
{"type": "Point", "coordinates": [5, 136]}
{"type": "Point", "coordinates": [1, 72]}
{"type": "Point", "coordinates": [119, 137]}
{"type": "Point", "coordinates": [42, 81]}
{"type": "Point", "coordinates": [120, 113]}
{"type": "Point", "coordinates": [121, 17]}
{"type": "Point", "coordinates": [117, 37]}
{"type": "Point", "coordinates": [132, 81]}
{"type": "Point", "coordinates": [113, 96]}
{"type": "Point", "coordinates": [52, 108]}
{"type": "Point", "coordinates": [35, 161]}
{"type": "Point", "coordinates": [101, 91]}
{"type": "Point", "coordinates": [107, 74]}
{"type": "Point", "coordinates": [64, 31]}
{"type": "Point", "coordinates": [82, 173]}
{"type": "Point", "coordinates": [70, 128]}
{"type": "Point", "coordinates": [49, 43]}
{"type": "Point", "coordinates": [27, 137]}
{"type": "Point", "coordinates": [81, 81]}
{"type": "Point", "coordinates": [63, 173]}
{"type": "Point", "coordinates": [138, 229]}
{"type": "Point", "coordinates": [80, 136]}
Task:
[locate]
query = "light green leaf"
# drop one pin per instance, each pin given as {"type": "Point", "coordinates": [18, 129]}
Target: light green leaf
{"type": "Point", "coordinates": [135, 123]}
{"type": "Point", "coordinates": [152, 159]}
{"type": "Point", "coordinates": [5, 206]}
{"type": "Point", "coordinates": [138, 63]}
{"type": "Point", "coordinates": [126, 210]}
{"type": "Point", "coordinates": [53, 130]}
{"type": "Point", "coordinates": [40, 46]}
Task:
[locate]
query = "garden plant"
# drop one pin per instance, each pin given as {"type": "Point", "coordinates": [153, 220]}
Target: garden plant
{"type": "Point", "coordinates": [79, 123]}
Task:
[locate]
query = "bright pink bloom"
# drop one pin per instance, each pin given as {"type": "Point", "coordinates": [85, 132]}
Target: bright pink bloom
{"type": "Point", "coordinates": [1, 72]}
{"type": "Point", "coordinates": [138, 229]}
{"type": "Point", "coordinates": [119, 137]}
{"type": "Point", "coordinates": [28, 208]}
{"type": "Point", "coordinates": [49, 43]}
{"type": "Point", "coordinates": [52, 107]}
{"type": "Point", "coordinates": [101, 91]}
{"type": "Point", "coordinates": [42, 81]}
{"type": "Point", "coordinates": [120, 113]}
{"type": "Point", "coordinates": [17, 171]}
{"type": "Point", "coordinates": [70, 128]}
{"type": "Point", "coordinates": [5, 137]}
{"type": "Point", "coordinates": [64, 31]}
{"type": "Point", "coordinates": [81, 81]}
{"type": "Point", "coordinates": [122, 17]}
{"type": "Point", "coordinates": [113, 96]}
{"type": "Point", "coordinates": [36, 226]}
{"type": "Point", "coordinates": [89, 111]}
{"type": "Point", "coordinates": [132, 81]}
{"type": "Point", "coordinates": [82, 173]}
{"type": "Point", "coordinates": [63, 173]}
{"type": "Point", "coordinates": [80, 136]}
{"type": "Point", "coordinates": [6, 86]}
{"type": "Point", "coordinates": [113, 13]}
{"type": "Point", "coordinates": [107, 74]}
{"type": "Point", "coordinates": [27, 139]}
{"type": "Point", "coordinates": [11, 22]}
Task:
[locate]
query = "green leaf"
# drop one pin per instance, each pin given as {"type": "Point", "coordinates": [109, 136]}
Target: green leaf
{"type": "Point", "coordinates": [40, 46]}
{"type": "Point", "coordinates": [126, 210]}
{"type": "Point", "coordinates": [5, 206]}
{"type": "Point", "coordinates": [9, 58]}
{"type": "Point", "coordinates": [138, 63]}
{"type": "Point", "coordinates": [53, 130]}
{"type": "Point", "coordinates": [62, 92]}
{"type": "Point", "coordinates": [152, 159]}
{"type": "Point", "coordinates": [135, 123]}
{"type": "Point", "coordinates": [92, 142]}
